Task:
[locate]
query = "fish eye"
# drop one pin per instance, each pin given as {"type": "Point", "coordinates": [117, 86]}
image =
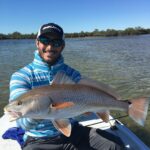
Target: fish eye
{"type": "Point", "coordinates": [19, 103]}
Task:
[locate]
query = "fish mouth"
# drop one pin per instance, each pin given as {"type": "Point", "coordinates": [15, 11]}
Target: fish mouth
{"type": "Point", "coordinates": [13, 115]}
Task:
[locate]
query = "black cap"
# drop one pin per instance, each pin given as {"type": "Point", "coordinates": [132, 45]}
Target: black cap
{"type": "Point", "coordinates": [50, 29]}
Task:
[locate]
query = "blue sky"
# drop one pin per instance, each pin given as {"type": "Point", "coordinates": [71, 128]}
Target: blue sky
{"type": "Point", "coordinates": [26, 16]}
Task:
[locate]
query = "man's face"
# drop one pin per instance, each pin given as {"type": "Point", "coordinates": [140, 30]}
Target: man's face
{"type": "Point", "coordinates": [50, 48]}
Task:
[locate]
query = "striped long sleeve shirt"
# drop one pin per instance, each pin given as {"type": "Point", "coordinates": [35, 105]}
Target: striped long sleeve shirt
{"type": "Point", "coordinates": [38, 73]}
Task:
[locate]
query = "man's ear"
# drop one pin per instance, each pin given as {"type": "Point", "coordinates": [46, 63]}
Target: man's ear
{"type": "Point", "coordinates": [37, 43]}
{"type": "Point", "coordinates": [63, 46]}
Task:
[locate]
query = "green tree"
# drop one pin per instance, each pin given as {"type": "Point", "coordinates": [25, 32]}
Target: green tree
{"type": "Point", "coordinates": [16, 35]}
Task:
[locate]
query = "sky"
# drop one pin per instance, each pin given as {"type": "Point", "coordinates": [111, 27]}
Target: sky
{"type": "Point", "coordinates": [26, 16]}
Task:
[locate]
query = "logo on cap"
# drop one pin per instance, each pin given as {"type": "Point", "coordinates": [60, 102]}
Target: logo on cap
{"type": "Point", "coordinates": [51, 27]}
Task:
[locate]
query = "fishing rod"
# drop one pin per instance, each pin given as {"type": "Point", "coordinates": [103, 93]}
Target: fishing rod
{"type": "Point", "coordinates": [109, 120]}
{"type": "Point", "coordinates": [124, 116]}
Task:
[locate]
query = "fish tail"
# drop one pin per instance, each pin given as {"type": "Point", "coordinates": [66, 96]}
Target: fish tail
{"type": "Point", "coordinates": [138, 110]}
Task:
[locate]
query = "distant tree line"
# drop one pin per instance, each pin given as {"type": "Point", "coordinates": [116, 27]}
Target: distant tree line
{"type": "Point", "coordinates": [17, 35]}
{"type": "Point", "coordinates": [96, 32]}
{"type": "Point", "coordinates": [111, 32]}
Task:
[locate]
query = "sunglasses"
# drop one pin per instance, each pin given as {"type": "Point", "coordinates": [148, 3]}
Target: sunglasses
{"type": "Point", "coordinates": [55, 43]}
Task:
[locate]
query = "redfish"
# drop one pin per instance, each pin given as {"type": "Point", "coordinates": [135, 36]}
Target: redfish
{"type": "Point", "coordinates": [58, 102]}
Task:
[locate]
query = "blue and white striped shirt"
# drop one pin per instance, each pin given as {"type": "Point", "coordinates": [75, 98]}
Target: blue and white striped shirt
{"type": "Point", "coordinates": [35, 74]}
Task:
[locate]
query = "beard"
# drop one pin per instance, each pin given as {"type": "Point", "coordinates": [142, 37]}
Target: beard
{"type": "Point", "coordinates": [50, 57]}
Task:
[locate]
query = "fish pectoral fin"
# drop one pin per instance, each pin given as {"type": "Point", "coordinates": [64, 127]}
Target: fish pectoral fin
{"type": "Point", "coordinates": [62, 78]}
{"type": "Point", "coordinates": [62, 105]}
{"type": "Point", "coordinates": [63, 125]}
{"type": "Point", "coordinates": [104, 115]}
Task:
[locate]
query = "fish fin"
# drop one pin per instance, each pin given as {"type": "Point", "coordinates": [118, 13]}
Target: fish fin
{"type": "Point", "coordinates": [138, 110]}
{"type": "Point", "coordinates": [62, 78]}
{"type": "Point", "coordinates": [63, 125]}
{"type": "Point", "coordinates": [62, 105]}
{"type": "Point", "coordinates": [101, 86]}
{"type": "Point", "coordinates": [104, 115]}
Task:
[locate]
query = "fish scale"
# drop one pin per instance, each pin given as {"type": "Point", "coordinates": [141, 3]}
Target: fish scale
{"type": "Point", "coordinates": [58, 102]}
{"type": "Point", "coordinates": [86, 97]}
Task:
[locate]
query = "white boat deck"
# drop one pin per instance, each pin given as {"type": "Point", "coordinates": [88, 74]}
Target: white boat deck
{"type": "Point", "coordinates": [131, 141]}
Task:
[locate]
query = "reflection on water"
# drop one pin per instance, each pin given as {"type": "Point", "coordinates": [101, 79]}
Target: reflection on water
{"type": "Point", "coordinates": [13, 55]}
{"type": "Point", "coordinates": [122, 62]}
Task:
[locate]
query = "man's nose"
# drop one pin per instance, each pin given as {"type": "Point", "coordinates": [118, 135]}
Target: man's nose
{"type": "Point", "coordinates": [50, 46]}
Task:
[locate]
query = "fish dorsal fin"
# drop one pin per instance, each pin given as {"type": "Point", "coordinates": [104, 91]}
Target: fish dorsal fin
{"type": "Point", "coordinates": [62, 78]}
{"type": "Point", "coordinates": [101, 86]}
{"type": "Point", "coordinates": [61, 105]}
{"type": "Point", "coordinates": [103, 115]}
{"type": "Point", "coordinates": [63, 125]}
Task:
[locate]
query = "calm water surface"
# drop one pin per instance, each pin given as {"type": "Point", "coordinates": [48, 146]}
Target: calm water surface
{"type": "Point", "coordinates": [122, 62]}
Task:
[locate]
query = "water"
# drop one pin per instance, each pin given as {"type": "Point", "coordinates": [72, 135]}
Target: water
{"type": "Point", "coordinates": [122, 62]}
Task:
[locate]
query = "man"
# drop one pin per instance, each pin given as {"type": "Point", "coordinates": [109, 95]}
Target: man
{"type": "Point", "coordinates": [41, 134]}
